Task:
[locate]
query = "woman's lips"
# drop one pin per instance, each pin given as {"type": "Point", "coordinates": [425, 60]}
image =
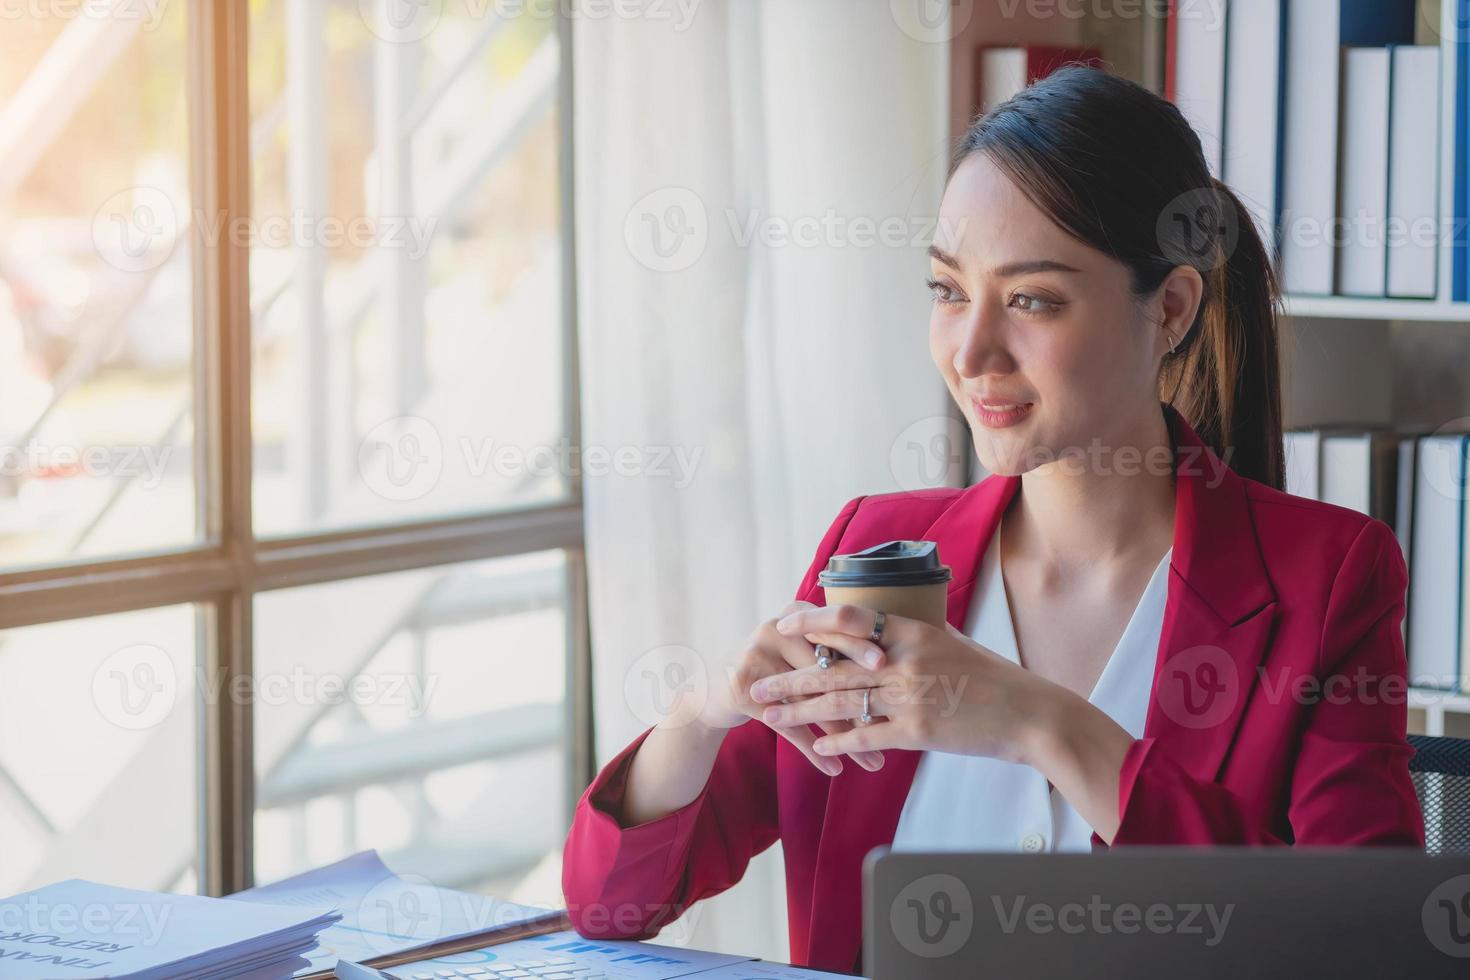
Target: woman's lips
{"type": "Point", "coordinates": [1003, 415]}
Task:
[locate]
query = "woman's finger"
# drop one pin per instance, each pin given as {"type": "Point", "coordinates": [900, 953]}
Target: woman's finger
{"type": "Point", "coordinates": [871, 761]}
{"type": "Point", "coordinates": [808, 681]}
{"type": "Point", "coordinates": [803, 738]}
{"type": "Point", "coordinates": [833, 706]}
{"type": "Point", "coordinates": [840, 618]}
{"type": "Point", "coordinates": [861, 738]}
{"type": "Point", "coordinates": [861, 651]}
{"type": "Point", "coordinates": [795, 651]}
{"type": "Point", "coordinates": [774, 665]}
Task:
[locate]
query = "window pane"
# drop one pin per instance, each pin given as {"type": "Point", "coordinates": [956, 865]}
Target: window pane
{"type": "Point", "coordinates": [96, 412]}
{"type": "Point", "coordinates": [405, 263]}
{"type": "Point", "coordinates": [97, 751]}
{"type": "Point", "coordinates": [402, 712]}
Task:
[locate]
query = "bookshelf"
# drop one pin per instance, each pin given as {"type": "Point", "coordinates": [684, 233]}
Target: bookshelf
{"type": "Point", "coordinates": [1439, 713]}
{"type": "Point", "coordinates": [1403, 363]}
{"type": "Point", "coordinates": [1361, 308]}
{"type": "Point", "coordinates": [1441, 309]}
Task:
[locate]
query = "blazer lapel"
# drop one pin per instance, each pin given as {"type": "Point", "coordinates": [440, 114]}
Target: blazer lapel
{"type": "Point", "coordinates": [1218, 616]}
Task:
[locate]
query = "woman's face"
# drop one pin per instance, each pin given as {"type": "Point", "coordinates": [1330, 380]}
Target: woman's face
{"type": "Point", "coordinates": [1037, 335]}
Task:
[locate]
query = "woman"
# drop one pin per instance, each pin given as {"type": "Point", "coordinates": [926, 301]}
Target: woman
{"type": "Point", "coordinates": [1177, 651]}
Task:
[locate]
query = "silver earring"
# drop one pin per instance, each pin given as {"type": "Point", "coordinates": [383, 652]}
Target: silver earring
{"type": "Point", "coordinates": [1171, 342]}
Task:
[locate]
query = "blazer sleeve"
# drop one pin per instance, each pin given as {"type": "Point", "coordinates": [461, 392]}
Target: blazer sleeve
{"type": "Point", "coordinates": [628, 882]}
{"type": "Point", "coordinates": [1350, 784]}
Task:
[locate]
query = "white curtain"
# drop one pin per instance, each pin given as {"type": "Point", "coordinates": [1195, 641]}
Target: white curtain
{"type": "Point", "coordinates": [756, 186]}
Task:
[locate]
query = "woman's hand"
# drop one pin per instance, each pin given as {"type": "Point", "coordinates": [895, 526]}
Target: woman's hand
{"type": "Point", "coordinates": [940, 690]}
{"type": "Point", "coordinates": [769, 653]}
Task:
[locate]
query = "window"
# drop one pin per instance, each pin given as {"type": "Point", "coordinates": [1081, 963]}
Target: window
{"type": "Point", "coordinates": [290, 561]}
{"type": "Point", "coordinates": [97, 351]}
{"type": "Point", "coordinates": [97, 738]}
{"type": "Point", "coordinates": [439, 696]}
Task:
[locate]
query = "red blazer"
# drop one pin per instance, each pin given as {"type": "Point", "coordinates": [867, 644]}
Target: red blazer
{"type": "Point", "coordinates": [1277, 716]}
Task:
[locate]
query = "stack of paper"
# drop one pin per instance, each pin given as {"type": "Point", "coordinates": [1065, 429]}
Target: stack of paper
{"type": "Point", "coordinates": [388, 919]}
{"type": "Point", "coordinates": [77, 928]}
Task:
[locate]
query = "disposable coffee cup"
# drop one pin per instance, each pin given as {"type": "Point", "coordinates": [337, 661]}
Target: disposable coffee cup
{"type": "Point", "coordinates": [900, 578]}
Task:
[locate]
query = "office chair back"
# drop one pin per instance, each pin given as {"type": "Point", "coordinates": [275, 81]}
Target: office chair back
{"type": "Point", "coordinates": [1441, 773]}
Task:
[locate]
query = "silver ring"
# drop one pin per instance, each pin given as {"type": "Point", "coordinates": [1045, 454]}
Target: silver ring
{"type": "Point", "coordinates": [823, 660]}
{"type": "Point", "coordinates": [877, 633]}
{"type": "Point", "coordinates": [866, 718]}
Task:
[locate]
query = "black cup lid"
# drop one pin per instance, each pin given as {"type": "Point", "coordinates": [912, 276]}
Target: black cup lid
{"type": "Point", "coordinates": [889, 563]}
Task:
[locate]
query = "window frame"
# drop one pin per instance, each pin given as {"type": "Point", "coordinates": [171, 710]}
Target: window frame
{"type": "Point", "coordinates": [222, 574]}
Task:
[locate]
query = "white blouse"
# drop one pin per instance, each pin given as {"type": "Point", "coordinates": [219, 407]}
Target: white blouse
{"type": "Point", "coordinates": [974, 803]}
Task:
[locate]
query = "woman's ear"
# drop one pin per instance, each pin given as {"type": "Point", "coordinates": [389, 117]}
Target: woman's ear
{"type": "Point", "coordinates": [1179, 300]}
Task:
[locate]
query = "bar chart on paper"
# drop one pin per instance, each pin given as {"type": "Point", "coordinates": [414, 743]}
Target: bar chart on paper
{"type": "Point", "coordinates": [565, 955]}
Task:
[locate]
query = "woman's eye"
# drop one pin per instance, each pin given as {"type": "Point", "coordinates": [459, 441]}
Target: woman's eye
{"type": "Point", "coordinates": [942, 293]}
{"type": "Point", "coordinates": [1036, 304]}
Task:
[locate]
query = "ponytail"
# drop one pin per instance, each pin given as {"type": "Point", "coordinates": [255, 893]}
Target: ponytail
{"type": "Point", "coordinates": [1224, 376]}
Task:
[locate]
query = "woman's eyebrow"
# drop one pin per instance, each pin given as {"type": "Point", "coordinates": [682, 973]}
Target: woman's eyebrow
{"type": "Point", "coordinates": [1008, 270]}
{"type": "Point", "coordinates": [940, 255]}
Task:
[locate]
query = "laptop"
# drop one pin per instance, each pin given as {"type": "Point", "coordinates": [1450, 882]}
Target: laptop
{"type": "Point", "coordinates": [1141, 912]}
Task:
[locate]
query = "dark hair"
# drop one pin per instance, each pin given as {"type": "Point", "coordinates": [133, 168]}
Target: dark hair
{"type": "Point", "coordinates": [1119, 168]}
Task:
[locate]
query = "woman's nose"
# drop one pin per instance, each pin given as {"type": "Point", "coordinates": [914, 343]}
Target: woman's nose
{"type": "Point", "coordinates": [983, 344]}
